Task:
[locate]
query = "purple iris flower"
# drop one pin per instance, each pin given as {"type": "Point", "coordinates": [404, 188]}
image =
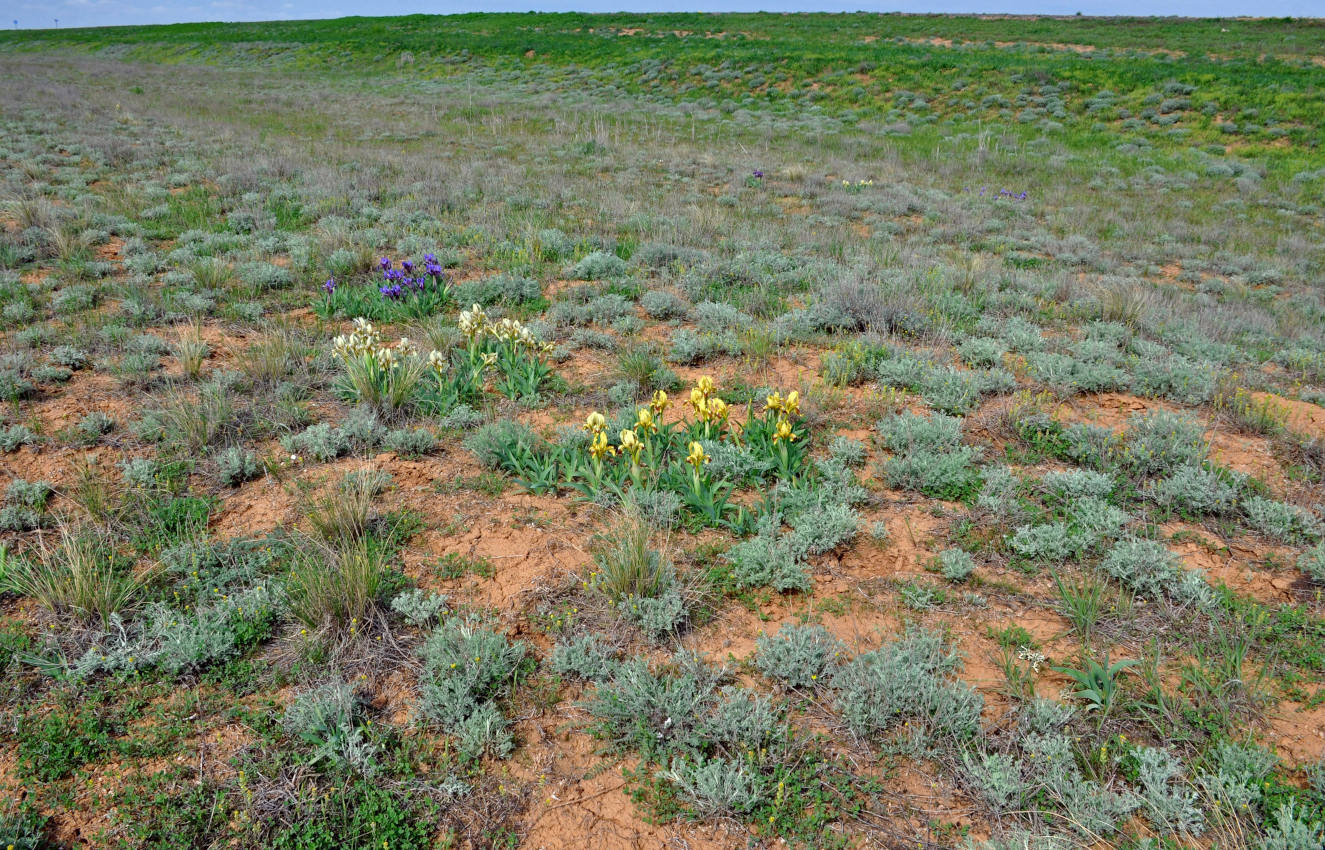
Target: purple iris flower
{"type": "Point", "coordinates": [430, 258]}
{"type": "Point", "coordinates": [757, 173]}
{"type": "Point", "coordinates": [330, 285]}
{"type": "Point", "coordinates": [407, 265]}
{"type": "Point", "coordinates": [385, 263]}
{"type": "Point", "coordinates": [390, 291]}
{"type": "Point", "coordinates": [433, 268]}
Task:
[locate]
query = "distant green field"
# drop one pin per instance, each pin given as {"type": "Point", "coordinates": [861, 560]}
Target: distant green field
{"type": "Point", "coordinates": [1252, 82]}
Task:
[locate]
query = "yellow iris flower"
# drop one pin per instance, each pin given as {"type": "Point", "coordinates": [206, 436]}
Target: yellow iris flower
{"type": "Point", "coordinates": [631, 445]}
{"type": "Point", "coordinates": [600, 447]}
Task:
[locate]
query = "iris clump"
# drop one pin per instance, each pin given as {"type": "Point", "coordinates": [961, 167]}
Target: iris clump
{"type": "Point", "coordinates": [404, 290]}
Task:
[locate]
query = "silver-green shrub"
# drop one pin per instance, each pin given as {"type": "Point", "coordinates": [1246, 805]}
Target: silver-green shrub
{"type": "Point", "coordinates": [800, 656]}
{"type": "Point", "coordinates": [955, 564]}
{"type": "Point", "coordinates": [585, 657]}
{"type": "Point", "coordinates": [330, 719]}
{"type": "Point", "coordinates": [1281, 521]}
{"type": "Point", "coordinates": [1193, 490]}
{"type": "Point", "coordinates": [467, 667]}
{"type": "Point", "coordinates": [908, 684]}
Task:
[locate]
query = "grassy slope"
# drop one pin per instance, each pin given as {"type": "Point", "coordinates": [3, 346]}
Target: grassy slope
{"type": "Point", "coordinates": [845, 65]}
{"type": "Point", "coordinates": [319, 150]}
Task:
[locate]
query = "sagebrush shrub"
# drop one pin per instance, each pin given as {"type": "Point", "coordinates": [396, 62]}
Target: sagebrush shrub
{"type": "Point", "coordinates": [662, 304]}
{"type": "Point", "coordinates": [214, 631]}
{"type": "Point", "coordinates": [689, 347]}
{"type": "Point", "coordinates": [70, 357]}
{"type": "Point", "coordinates": [850, 453]}
{"type": "Point", "coordinates": [982, 351]}
{"type": "Point", "coordinates": [659, 508]}
{"type": "Point", "coordinates": [419, 607]}
{"type": "Point", "coordinates": [1150, 569]}
{"type": "Point", "coordinates": [1092, 810]}
{"type": "Point", "coordinates": [908, 682]}
{"type": "Point", "coordinates": [411, 442]}
{"type": "Point", "coordinates": [1094, 522]}
{"type": "Point", "coordinates": [322, 442]}
{"type": "Point", "coordinates": [494, 441]}
{"type": "Point", "coordinates": [659, 712]}
{"type": "Point", "coordinates": [586, 657]}
{"type": "Point", "coordinates": [940, 475]}
{"type": "Point", "coordinates": [1161, 441]}
{"type": "Point", "coordinates": [235, 465]}
{"type": "Point", "coordinates": [600, 265]}
{"type": "Point", "coordinates": [998, 492]}
{"type": "Point", "coordinates": [94, 425]}
{"type": "Point", "coordinates": [1090, 445]}
{"type": "Point", "coordinates": [908, 432]}
{"type": "Point", "coordinates": [713, 316]}
{"type": "Point", "coordinates": [26, 505]}
{"type": "Point", "coordinates": [955, 564]}
{"type": "Point", "coordinates": [1292, 829]}
{"type": "Point", "coordinates": [1078, 483]}
{"type": "Point", "coordinates": [29, 494]}
{"type": "Point", "coordinates": [800, 656]}
{"type": "Point", "coordinates": [998, 777]}
{"type": "Point", "coordinates": [257, 277]}
{"type": "Point", "coordinates": [467, 666]}
{"type": "Point", "coordinates": [717, 786]}
{"type": "Point", "coordinates": [823, 527]}
{"type": "Point", "coordinates": [1168, 801]}
{"type": "Point", "coordinates": [768, 559]}
{"type": "Point", "coordinates": [1312, 562]}
{"type": "Point", "coordinates": [1193, 490]}
{"type": "Point", "coordinates": [497, 289]}
{"type": "Point", "coordinates": [1282, 521]}
{"type": "Point", "coordinates": [1236, 779]}
{"type": "Point", "coordinates": [330, 719]}
{"type": "Point", "coordinates": [928, 455]}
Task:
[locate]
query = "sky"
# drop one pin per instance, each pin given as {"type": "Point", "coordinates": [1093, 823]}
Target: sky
{"type": "Point", "coordinates": [86, 13]}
